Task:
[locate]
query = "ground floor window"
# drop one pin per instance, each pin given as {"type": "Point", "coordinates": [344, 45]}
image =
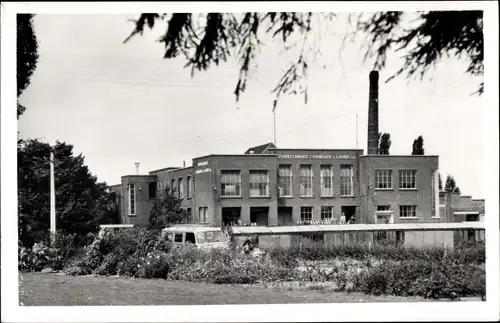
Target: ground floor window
{"type": "Point", "coordinates": [407, 211]}
{"type": "Point", "coordinates": [306, 213]}
{"type": "Point", "coordinates": [326, 213]}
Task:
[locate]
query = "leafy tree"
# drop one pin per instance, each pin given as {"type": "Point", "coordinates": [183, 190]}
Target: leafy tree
{"type": "Point", "coordinates": [451, 185]}
{"type": "Point", "coordinates": [384, 143]}
{"type": "Point", "coordinates": [418, 146]}
{"type": "Point", "coordinates": [204, 40]}
{"type": "Point", "coordinates": [167, 210]}
{"type": "Point", "coordinates": [27, 55]}
{"type": "Point", "coordinates": [81, 202]}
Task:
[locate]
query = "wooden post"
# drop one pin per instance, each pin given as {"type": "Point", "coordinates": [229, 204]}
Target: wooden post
{"type": "Point", "coordinates": [52, 199]}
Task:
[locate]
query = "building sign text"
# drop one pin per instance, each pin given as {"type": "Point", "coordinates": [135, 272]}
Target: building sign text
{"type": "Point", "coordinates": [316, 157]}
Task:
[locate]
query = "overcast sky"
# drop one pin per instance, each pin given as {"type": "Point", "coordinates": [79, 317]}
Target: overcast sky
{"type": "Point", "coordinates": [121, 103]}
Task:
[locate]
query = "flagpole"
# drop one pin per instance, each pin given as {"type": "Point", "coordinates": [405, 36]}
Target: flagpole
{"type": "Point", "coordinates": [274, 114]}
{"type": "Point", "coordinates": [52, 198]}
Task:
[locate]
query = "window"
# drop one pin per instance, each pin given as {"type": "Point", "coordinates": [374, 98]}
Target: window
{"type": "Point", "coordinates": [326, 212]}
{"type": "Point", "coordinates": [285, 180]}
{"type": "Point", "coordinates": [178, 237]}
{"type": "Point", "coordinates": [131, 199]}
{"type": "Point", "coordinates": [202, 213]}
{"type": "Point", "coordinates": [383, 208]}
{"type": "Point", "coordinates": [189, 215]}
{"type": "Point", "coordinates": [326, 180]}
{"type": "Point", "coordinates": [230, 183]}
{"type": "Point", "coordinates": [306, 180]}
{"type": "Point", "coordinates": [152, 190]}
{"type": "Point", "coordinates": [407, 179]}
{"type": "Point", "coordinates": [190, 186]}
{"type": "Point", "coordinates": [259, 183]}
{"type": "Point", "coordinates": [306, 214]}
{"type": "Point", "coordinates": [172, 188]}
{"type": "Point", "coordinates": [159, 186]}
{"type": "Point", "coordinates": [346, 176]}
{"type": "Point", "coordinates": [180, 184]}
{"type": "Point", "coordinates": [190, 237]}
{"type": "Point", "coordinates": [407, 211]}
{"type": "Point", "coordinates": [383, 179]}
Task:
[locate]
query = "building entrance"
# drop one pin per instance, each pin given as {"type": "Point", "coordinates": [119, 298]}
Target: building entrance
{"type": "Point", "coordinates": [285, 216]}
{"type": "Point", "coordinates": [347, 213]}
{"type": "Point", "coordinates": [259, 215]}
{"type": "Point", "coordinates": [230, 215]}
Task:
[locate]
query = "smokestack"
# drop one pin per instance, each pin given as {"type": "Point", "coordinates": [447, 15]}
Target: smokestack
{"type": "Point", "coordinates": [137, 168]}
{"type": "Point", "coordinates": [184, 164]}
{"type": "Point", "coordinates": [373, 114]}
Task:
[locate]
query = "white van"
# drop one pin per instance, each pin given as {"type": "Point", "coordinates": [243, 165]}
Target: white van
{"type": "Point", "coordinates": [196, 236]}
{"type": "Point", "coordinates": [113, 228]}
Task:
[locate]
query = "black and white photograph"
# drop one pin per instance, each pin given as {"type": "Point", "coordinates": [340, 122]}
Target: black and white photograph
{"type": "Point", "coordinates": [249, 161]}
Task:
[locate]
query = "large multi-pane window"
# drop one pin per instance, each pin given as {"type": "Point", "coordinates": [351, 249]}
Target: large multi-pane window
{"type": "Point", "coordinates": [407, 211]}
{"type": "Point", "coordinates": [173, 188]}
{"type": "Point", "coordinates": [259, 183]}
{"type": "Point", "coordinates": [383, 179]}
{"type": "Point", "coordinates": [326, 213]}
{"type": "Point", "coordinates": [180, 184]}
{"type": "Point", "coordinates": [189, 186]}
{"type": "Point", "coordinates": [306, 180]}
{"type": "Point", "coordinates": [285, 180]}
{"type": "Point", "coordinates": [230, 183]}
{"type": "Point", "coordinates": [346, 180]}
{"type": "Point", "coordinates": [306, 213]}
{"type": "Point", "coordinates": [407, 179]}
{"type": "Point", "coordinates": [131, 199]}
{"type": "Point", "coordinates": [326, 180]}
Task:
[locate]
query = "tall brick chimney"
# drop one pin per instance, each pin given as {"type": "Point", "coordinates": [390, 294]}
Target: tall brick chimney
{"type": "Point", "coordinates": [373, 114]}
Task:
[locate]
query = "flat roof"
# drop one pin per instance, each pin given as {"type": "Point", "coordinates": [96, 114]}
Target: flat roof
{"type": "Point", "coordinates": [193, 228]}
{"type": "Point", "coordinates": [385, 156]}
{"type": "Point", "coordinates": [358, 228]}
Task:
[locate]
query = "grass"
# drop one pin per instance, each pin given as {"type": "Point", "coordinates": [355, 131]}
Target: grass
{"type": "Point", "coordinates": [38, 289]}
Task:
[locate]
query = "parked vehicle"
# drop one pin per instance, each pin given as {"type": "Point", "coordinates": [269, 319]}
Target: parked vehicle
{"type": "Point", "coordinates": [196, 236]}
{"type": "Point", "coordinates": [113, 228]}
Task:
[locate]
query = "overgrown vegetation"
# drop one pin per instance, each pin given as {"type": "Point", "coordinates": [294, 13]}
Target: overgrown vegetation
{"type": "Point", "coordinates": [429, 273]}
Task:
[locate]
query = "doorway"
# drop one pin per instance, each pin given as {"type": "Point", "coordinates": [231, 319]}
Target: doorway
{"type": "Point", "coordinates": [231, 215]}
{"type": "Point", "coordinates": [285, 216]}
{"type": "Point", "coordinates": [259, 215]}
{"type": "Point", "coordinates": [348, 211]}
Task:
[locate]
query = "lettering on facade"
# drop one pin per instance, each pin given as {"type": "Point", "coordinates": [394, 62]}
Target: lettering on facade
{"type": "Point", "coordinates": [316, 157]}
{"type": "Point", "coordinates": [204, 170]}
{"type": "Point", "coordinates": [203, 163]}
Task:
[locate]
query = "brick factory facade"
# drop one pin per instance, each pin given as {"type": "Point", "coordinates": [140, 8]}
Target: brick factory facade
{"type": "Point", "coordinates": [270, 186]}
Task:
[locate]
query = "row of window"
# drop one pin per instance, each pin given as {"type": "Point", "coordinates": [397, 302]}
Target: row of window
{"type": "Point", "coordinates": [405, 211]}
{"type": "Point", "coordinates": [259, 181]}
{"type": "Point", "coordinates": [176, 190]}
{"type": "Point", "coordinates": [407, 179]}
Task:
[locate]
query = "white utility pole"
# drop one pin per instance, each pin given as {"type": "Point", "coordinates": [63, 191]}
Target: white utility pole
{"type": "Point", "coordinates": [356, 131]}
{"type": "Point", "coordinates": [52, 197]}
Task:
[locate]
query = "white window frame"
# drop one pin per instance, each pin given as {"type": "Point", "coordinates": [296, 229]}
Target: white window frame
{"type": "Point", "coordinates": [326, 191]}
{"type": "Point", "coordinates": [383, 179]}
{"type": "Point", "coordinates": [303, 189]}
{"type": "Point", "coordinates": [303, 210]}
{"type": "Point", "coordinates": [408, 209]}
{"type": "Point", "coordinates": [189, 187]}
{"type": "Point", "coordinates": [256, 185]}
{"type": "Point", "coordinates": [290, 178]}
{"type": "Point", "coordinates": [350, 177]}
{"type": "Point", "coordinates": [132, 195]}
{"type": "Point", "coordinates": [405, 176]}
{"type": "Point", "coordinates": [236, 184]}
{"type": "Point", "coordinates": [323, 212]}
{"type": "Point", "coordinates": [180, 187]}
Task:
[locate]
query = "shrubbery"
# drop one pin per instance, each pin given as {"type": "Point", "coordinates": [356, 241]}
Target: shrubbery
{"type": "Point", "coordinates": [430, 273]}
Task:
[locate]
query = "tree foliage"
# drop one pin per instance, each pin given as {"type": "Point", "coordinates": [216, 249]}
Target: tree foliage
{"type": "Point", "coordinates": [384, 143]}
{"type": "Point", "coordinates": [451, 185]}
{"type": "Point", "coordinates": [167, 209]}
{"type": "Point", "coordinates": [81, 202]}
{"type": "Point", "coordinates": [204, 40]}
{"type": "Point", "coordinates": [418, 146]}
{"type": "Point", "coordinates": [27, 55]}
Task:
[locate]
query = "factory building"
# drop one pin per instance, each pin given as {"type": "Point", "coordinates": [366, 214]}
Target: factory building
{"type": "Point", "coordinates": [274, 186]}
